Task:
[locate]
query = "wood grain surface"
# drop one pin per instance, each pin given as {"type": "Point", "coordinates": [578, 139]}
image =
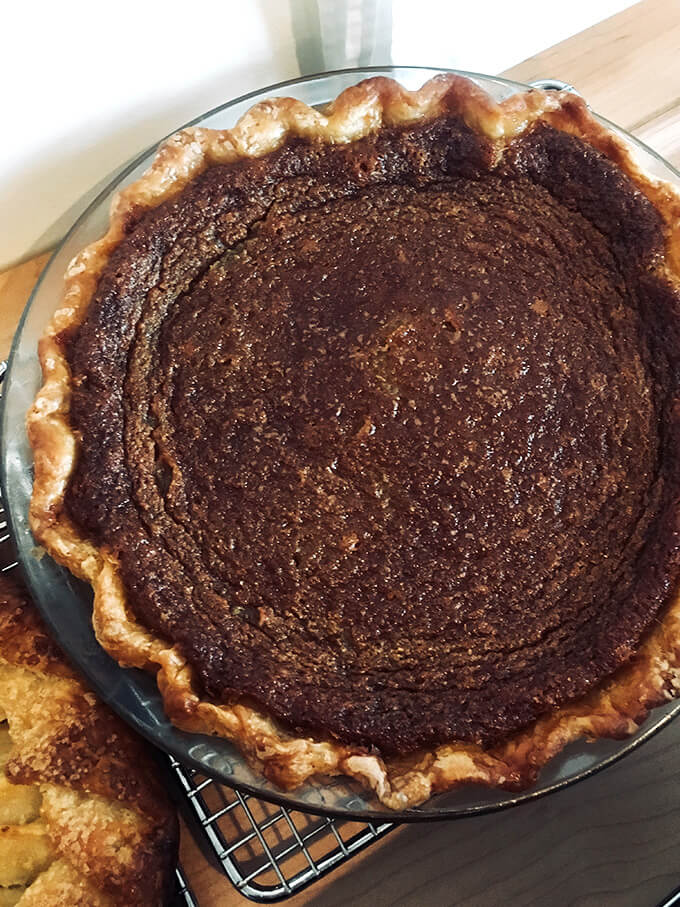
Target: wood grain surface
{"type": "Point", "coordinates": [610, 841]}
{"type": "Point", "coordinates": [15, 288]}
{"type": "Point", "coordinates": [628, 67]}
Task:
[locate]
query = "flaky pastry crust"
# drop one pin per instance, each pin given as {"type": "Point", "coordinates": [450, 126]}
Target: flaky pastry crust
{"type": "Point", "coordinates": [614, 710]}
{"type": "Point", "coordinates": [111, 829]}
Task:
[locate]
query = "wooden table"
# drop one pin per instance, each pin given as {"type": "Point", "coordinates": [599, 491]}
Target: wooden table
{"type": "Point", "coordinates": [615, 838]}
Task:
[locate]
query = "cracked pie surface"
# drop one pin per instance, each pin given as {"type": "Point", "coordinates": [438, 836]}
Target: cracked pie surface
{"type": "Point", "coordinates": [363, 425]}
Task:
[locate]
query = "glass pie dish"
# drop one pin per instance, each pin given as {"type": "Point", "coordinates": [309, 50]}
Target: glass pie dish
{"type": "Point", "coordinates": [66, 603]}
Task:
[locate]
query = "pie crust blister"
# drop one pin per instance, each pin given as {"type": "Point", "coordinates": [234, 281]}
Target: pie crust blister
{"type": "Point", "coordinates": [615, 709]}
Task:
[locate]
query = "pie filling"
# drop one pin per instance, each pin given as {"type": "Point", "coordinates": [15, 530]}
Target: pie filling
{"type": "Point", "coordinates": [25, 846]}
{"type": "Point", "coordinates": [382, 433]}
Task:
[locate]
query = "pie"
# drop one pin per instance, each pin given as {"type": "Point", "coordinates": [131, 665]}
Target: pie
{"type": "Point", "coordinates": [84, 820]}
{"type": "Point", "coordinates": [363, 425]}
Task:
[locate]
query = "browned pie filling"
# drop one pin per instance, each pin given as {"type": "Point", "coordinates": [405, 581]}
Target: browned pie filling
{"type": "Point", "coordinates": [382, 433]}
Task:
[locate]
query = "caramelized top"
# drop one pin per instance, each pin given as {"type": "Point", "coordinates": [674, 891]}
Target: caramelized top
{"type": "Point", "coordinates": [381, 433]}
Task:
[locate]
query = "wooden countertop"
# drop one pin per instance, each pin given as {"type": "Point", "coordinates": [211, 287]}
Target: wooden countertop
{"type": "Point", "coordinates": [615, 838]}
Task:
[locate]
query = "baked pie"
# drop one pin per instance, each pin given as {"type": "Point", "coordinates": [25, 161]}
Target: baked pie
{"type": "Point", "coordinates": [363, 425]}
{"type": "Point", "coordinates": [84, 821]}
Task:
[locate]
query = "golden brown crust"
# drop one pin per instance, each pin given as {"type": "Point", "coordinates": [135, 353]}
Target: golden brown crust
{"type": "Point", "coordinates": [614, 710]}
{"type": "Point", "coordinates": [61, 886]}
{"type": "Point", "coordinates": [111, 825]}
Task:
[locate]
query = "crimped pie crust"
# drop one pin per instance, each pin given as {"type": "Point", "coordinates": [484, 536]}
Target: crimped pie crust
{"type": "Point", "coordinates": [613, 710]}
{"type": "Point", "coordinates": [111, 829]}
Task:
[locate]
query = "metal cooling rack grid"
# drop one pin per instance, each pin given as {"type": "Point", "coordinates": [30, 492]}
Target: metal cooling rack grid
{"type": "Point", "coordinates": [184, 896]}
{"type": "Point", "coordinates": [267, 851]}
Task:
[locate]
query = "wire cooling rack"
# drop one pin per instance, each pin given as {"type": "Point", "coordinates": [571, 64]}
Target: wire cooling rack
{"type": "Point", "coordinates": [267, 852]}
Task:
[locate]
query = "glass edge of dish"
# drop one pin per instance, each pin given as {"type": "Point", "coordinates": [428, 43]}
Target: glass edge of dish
{"type": "Point", "coordinates": [175, 749]}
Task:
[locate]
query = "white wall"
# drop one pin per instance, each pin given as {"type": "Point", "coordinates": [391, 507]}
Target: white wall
{"type": "Point", "coordinates": [87, 85]}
